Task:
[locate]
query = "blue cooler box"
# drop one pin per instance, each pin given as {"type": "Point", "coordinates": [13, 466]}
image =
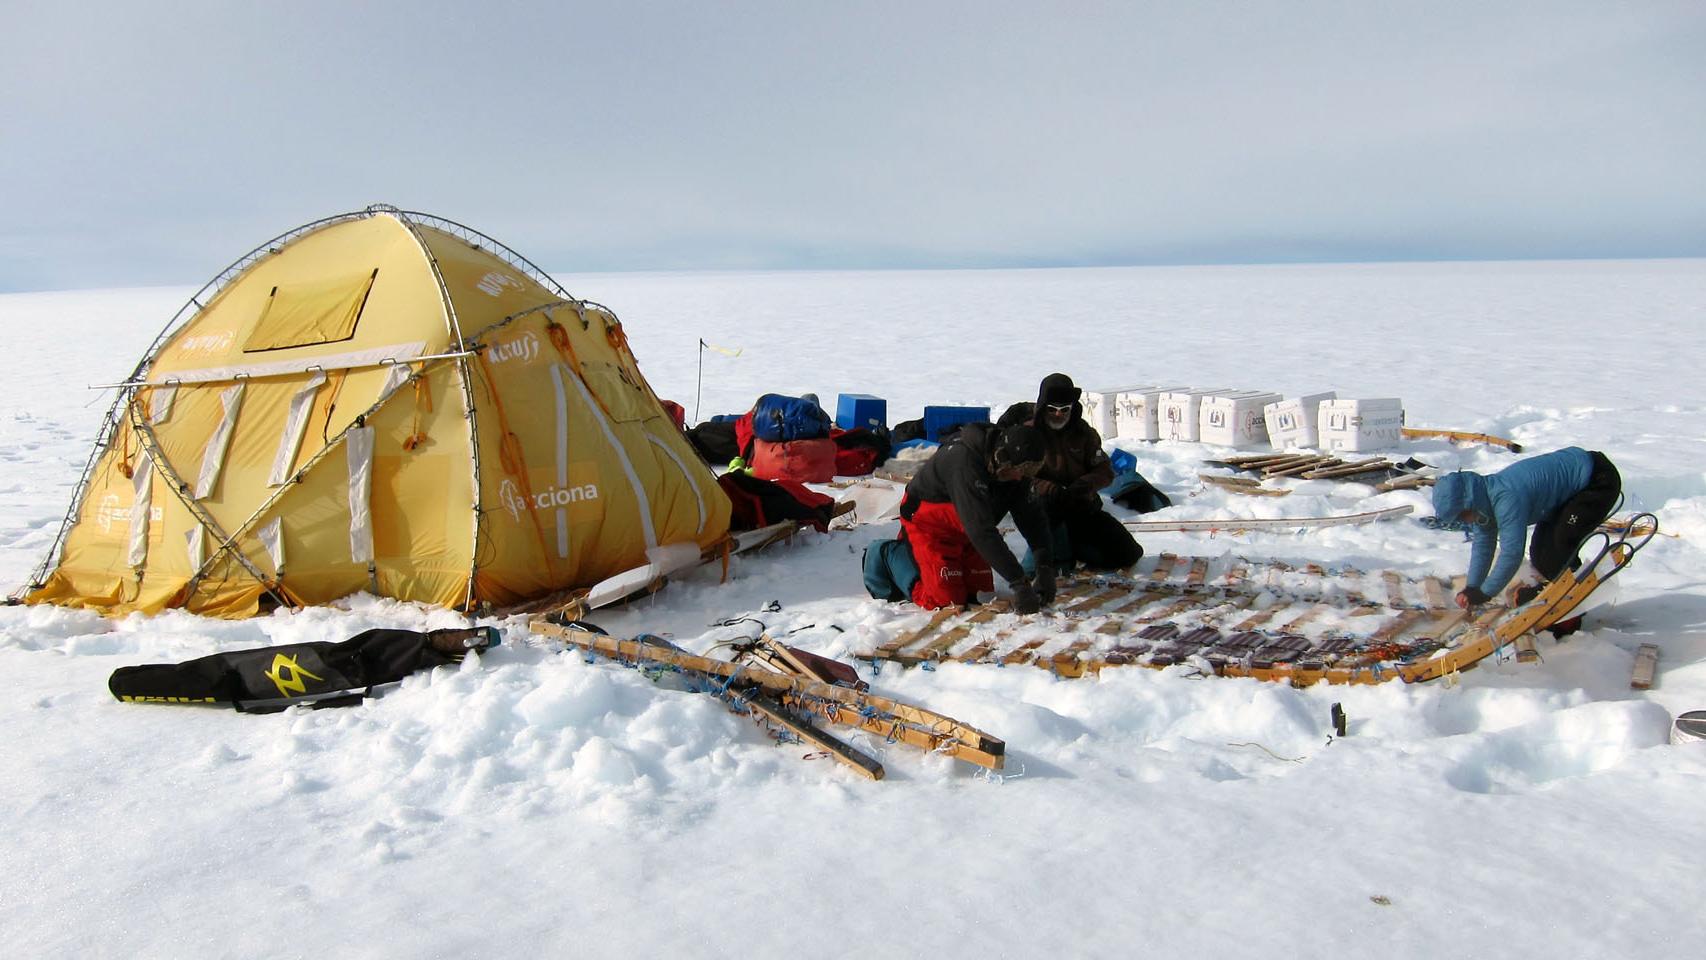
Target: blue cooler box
{"type": "Point", "coordinates": [861, 411]}
{"type": "Point", "coordinates": [938, 419]}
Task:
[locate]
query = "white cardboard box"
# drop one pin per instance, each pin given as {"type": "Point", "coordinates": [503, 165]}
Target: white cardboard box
{"type": "Point", "coordinates": [1179, 414]}
{"type": "Point", "coordinates": [1235, 419]}
{"type": "Point", "coordinates": [1357, 426]}
{"type": "Point", "coordinates": [1101, 409]}
{"type": "Point", "coordinates": [1135, 413]}
{"type": "Point", "coordinates": [1294, 423]}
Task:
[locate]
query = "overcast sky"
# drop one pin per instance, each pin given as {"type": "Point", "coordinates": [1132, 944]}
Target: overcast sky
{"type": "Point", "coordinates": [149, 143]}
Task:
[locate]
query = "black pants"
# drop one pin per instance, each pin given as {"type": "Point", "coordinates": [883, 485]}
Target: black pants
{"type": "Point", "coordinates": [1092, 537]}
{"type": "Point", "coordinates": [1558, 537]}
{"type": "Point", "coordinates": [1100, 541]}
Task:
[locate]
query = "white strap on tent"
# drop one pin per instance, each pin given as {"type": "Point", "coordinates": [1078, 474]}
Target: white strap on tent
{"type": "Point", "coordinates": [562, 405]}
{"type": "Point", "coordinates": [271, 535]}
{"type": "Point", "coordinates": [195, 544]}
{"type": "Point", "coordinates": [397, 353]}
{"type": "Point", "coordinates": [395, 374]}
{"type": "Point", "coordinates": [358, 446]}
{"type": "Point", "coordinates": [698, 498]}
{"type": "Point", "coordinates": [295, 427]}
{"type": "Point", "coordinates": [141, 506]}
{"type": "Point", "coordinates": [563, 374]}
{"type": "Point", "coordinates": [213, 458]}
{"type": "Point", "coordinates": [160, 404]}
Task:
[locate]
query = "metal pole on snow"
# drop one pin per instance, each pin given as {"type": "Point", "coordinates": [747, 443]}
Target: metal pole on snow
{"type": "Point", "coordinates": [699, 382]}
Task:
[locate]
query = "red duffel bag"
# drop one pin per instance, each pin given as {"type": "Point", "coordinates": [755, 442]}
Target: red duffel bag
{"type": "Point", "coordinates": [803, 461]}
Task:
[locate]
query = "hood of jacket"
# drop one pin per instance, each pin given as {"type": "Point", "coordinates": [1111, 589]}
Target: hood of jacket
{"type": "Point", "coordinates": [1057, 388]}
{"type": "Point", "coordinates": [1460, 491]}
{"type": "Point", "coordinates": [977, 438]}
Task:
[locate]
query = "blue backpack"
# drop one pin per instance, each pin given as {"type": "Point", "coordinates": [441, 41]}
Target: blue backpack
{"type": "Point", "coordinates": [779, 419]}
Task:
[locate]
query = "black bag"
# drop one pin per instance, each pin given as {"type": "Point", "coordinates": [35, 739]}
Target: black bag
{"type": "Point", "coordinates": [907, 430]}
{"type": "Point", "coordinates": [715, 442]}
{"type": "Point", "coordinates": [1132, 491]}
{"type": "Point", "coordinates": [269, 679]}
{"type": "Point", "coordinates": [758, 503]}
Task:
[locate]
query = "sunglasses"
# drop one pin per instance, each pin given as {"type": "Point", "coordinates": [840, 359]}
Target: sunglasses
{"type": "Point", "coordinates": [1058, 407]}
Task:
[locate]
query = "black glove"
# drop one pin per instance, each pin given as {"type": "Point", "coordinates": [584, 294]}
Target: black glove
{"type": "Point", "coordinates": [1025, 598]}
{"type": "Point", "coordinates": [1045, 584]}
{"type": "Point", "coordinates": [1471, 597]}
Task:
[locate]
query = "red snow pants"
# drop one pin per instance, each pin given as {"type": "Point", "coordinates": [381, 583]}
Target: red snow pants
{"type": "Point", "coordinates": [950, 570]}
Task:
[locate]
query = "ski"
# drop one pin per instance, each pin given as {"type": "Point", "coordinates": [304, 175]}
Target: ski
{"type": "Point", "coordinates": [651, 576]}
{"type": "Point", "coordinates": [1240, 524]}
{"type": "Point", "coordinates": [1461, 436]}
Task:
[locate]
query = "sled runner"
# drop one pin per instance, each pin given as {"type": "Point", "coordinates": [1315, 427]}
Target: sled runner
{"type": "Point", "coordinates": [893, 720]}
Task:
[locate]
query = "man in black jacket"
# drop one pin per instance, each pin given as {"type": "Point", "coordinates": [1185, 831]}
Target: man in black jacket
{"type": "Point", "coordinates": [1074, 471]}
{"type": "Point", "coordinates": [951, 510]}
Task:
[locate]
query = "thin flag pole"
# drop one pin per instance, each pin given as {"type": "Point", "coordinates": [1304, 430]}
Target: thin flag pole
{"type": "Point", "coordinates": [699, 383]}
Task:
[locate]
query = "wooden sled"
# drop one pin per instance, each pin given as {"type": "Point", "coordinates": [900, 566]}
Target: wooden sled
{"type": "Point", "coordinates": [1389, 626]}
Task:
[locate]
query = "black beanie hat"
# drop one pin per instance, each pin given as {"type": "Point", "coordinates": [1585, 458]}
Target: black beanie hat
{"type": "Point", "coordinates": [1057, 388]}
{"type": "Point", "coordinates": [1020, 443]}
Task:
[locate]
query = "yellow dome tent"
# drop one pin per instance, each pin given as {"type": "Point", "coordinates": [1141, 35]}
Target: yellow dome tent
{"type": "Point", "coordinates": [382, 401]}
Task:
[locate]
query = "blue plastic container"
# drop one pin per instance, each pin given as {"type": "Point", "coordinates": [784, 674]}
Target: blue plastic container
{"type": "Point", "coordinates": [861, 411]}
{"type": "Point", "coordinates": [938, 419]}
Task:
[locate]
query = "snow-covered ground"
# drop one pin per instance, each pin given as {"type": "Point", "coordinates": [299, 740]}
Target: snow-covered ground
{"type": "Point", "coordinates": [529, 803]}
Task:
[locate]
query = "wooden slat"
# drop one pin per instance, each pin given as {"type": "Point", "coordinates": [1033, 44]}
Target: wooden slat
{"type": "Point", "coordinates": [1244, 486]}
{"type": "Point", "coordinates": [1198, 572]}
{"type": "Point", "coordinates": [1066, 662]}
{"type": "Point", "coordinates": [1024, 653]}
{"type": "Point", "coordinates": [888, 650]}
{"type": "Point", "coordinates": [938, 648]}
{"type": "Point", "coordinates": [1646, 667]}
{"type": "Point", "coordinates": [1348, 468]}
{"type": "Point", "coordinates": [1302, 467]}
{"type": "Point", "coordinates": [1227, 481]}
{"type": "Point", "coordinates": [1404, 483]}
{"type": "Point", "coordinates": [1398, 625]}
{"type": "Point", "coordinates": [1101, 598]}
{"type": "Point", "coordinates": [1260, 617]}
{"type": "Point", "coordinates": [1394, 589]}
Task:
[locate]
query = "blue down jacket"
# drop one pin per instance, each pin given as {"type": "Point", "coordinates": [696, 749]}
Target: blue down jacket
{"type": "Point", "coordinates": [1506, 505]}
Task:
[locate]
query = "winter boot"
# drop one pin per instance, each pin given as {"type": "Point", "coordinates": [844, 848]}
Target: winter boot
{"type": "Point", "coordinates": [455, 643]}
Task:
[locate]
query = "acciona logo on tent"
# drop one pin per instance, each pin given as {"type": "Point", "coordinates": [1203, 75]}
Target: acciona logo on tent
{"type": "Point", "coordinates": [110, 512]}
{"type": "Point", "coordinates": [523, 348]}
{"type": "Point", "coordinates": [494, 284]}
{"type": "Point", "coordinates": [547, 499]}
{"type": "Point", "coordinates": [207, 343]}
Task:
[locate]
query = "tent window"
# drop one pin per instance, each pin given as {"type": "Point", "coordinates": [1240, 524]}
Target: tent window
{"type": "Point", "coordinates": [305, 314]}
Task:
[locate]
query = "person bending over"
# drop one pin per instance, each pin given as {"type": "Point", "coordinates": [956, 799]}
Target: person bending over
{"type": "Point", "coordinates": [1564, 495]}
{"type": "Point", "coordinates": [949, 541]}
